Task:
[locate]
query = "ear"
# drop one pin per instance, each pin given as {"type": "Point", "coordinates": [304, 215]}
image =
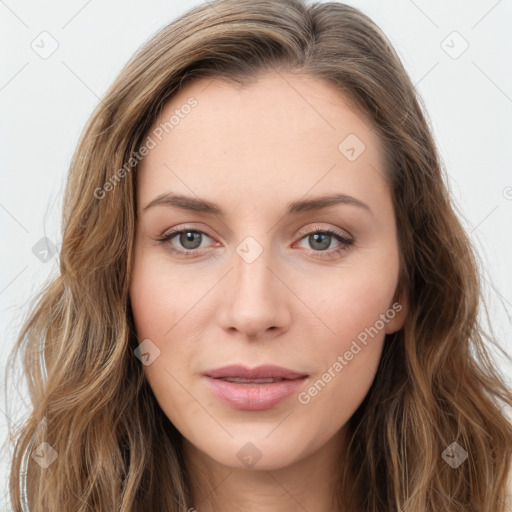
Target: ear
{"type": "Point", "coordinates": [397, 311]}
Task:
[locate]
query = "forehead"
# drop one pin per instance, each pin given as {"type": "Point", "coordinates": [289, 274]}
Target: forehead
{"type": "Point", "coordinates": [284, 133]}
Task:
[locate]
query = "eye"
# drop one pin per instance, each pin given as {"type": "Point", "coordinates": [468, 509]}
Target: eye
{"type": "Point", "coordinates": [189, 239]}
{"type": "Point", "coordinates": [320, 240]}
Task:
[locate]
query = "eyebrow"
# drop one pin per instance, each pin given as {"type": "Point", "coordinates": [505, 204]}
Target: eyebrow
{"type": "Point", "coordinates": [303, 205]}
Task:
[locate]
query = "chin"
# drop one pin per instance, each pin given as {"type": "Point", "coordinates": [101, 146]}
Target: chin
{"type": "Point", "coordinates": [263, 448]}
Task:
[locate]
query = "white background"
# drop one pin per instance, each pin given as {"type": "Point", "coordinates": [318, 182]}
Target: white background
{"type": "Point", "coordinates": [44, 104]}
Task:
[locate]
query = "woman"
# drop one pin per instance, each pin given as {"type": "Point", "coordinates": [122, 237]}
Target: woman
{"type": "Point", "coordinates": [265, 300]}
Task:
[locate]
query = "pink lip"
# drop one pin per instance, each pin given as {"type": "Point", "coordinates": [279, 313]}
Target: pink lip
{"type": "Point", "coordinates": [254, 397]}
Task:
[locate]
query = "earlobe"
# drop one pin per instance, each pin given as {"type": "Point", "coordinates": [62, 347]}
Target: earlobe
{"type": "Point", "coordinates": [397, 312]}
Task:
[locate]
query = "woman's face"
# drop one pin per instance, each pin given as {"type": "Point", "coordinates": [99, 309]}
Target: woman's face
{"type": "Point", "coordinates": [266, 270]}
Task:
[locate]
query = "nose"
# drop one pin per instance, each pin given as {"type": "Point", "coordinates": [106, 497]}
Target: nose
{"type": "Point", "coordinates": [256, 302]}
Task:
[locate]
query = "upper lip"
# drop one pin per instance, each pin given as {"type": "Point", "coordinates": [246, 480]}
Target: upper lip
{"type": "Point", "coordinates": [267, 371]}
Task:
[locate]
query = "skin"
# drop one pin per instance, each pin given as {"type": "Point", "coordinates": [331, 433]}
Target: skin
{"type": "Point", "coordinates": [252, 150]}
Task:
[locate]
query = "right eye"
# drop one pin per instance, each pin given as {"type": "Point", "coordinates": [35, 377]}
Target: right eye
{"type": "Point", "coordinates": [190, 240]}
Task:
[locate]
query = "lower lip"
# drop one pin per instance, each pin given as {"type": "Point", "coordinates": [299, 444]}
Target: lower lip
{"type": "Point", "coordinates": [254, 397]}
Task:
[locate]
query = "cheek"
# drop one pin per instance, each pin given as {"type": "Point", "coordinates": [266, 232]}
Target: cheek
{"type": "Point", "coordinates": [355, 306]}
{"type": "Point", "coordinates": [157, 307]}
{"type": "Point", "coordinates": [146, 294]}
{"type": "Point", "coordinates": [349, 362]}
{"type": "Point", "coordinates": [356, 309]}
{"type": "Point", "coordinates": [164, 313]}
{"type": "Point", "coordinates": [162, 299]}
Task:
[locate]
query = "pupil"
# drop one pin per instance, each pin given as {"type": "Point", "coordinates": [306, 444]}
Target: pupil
{"type": "Point", "coordinates": [324, 244]}
{"type": "Point", "coordinates": [188, 237]}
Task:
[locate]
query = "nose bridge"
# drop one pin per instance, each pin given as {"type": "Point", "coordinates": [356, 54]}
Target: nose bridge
{"type": "Point", "coordinates": [255, 295]}
{"type": "Point", "coordinates": [252, 273]}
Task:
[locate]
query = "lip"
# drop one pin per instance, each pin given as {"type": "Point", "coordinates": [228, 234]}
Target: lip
{"type": "Point", "coordinates": [267, 371]}
{"type": "Point", "coordinates": [253, 396]}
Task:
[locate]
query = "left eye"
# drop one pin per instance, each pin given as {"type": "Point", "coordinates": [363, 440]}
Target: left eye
{"type": "Point", "coordinates": [322, 238]}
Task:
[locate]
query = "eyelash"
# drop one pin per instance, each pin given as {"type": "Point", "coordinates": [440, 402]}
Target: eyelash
{"type": "Point", "coordinates": [329, 254]}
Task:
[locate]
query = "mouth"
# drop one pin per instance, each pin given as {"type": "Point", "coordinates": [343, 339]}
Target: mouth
{"type": "Point", "coordinates": [254, 389]}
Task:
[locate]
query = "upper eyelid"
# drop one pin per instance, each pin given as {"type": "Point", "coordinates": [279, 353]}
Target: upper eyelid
{"type": "Point", "coordinates": [181, 230]}
{"type": "Point", "coordinates": [318, 228]}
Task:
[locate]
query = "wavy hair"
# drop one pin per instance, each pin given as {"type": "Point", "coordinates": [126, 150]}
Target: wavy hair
{"type": "Point", "coordinates": [437, 382]}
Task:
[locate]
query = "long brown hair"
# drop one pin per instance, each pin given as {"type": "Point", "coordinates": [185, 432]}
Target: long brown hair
{"type": "Point", "coordinates": [436, 384]}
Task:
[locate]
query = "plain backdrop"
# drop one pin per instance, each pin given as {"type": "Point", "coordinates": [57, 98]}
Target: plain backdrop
{"type": "Point", "coordinates": [457, 53]}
